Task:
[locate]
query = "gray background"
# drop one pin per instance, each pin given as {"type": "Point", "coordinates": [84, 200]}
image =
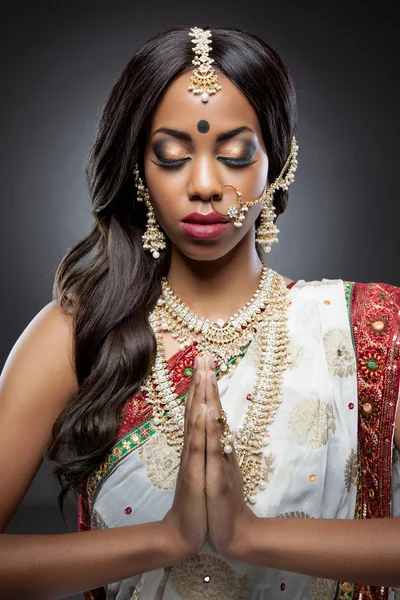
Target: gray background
{"type": "Point", "coordinates": [59, 61]}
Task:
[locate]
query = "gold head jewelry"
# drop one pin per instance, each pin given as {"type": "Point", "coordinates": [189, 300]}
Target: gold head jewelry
{"type": "Point", "coordinates": [204, 81]}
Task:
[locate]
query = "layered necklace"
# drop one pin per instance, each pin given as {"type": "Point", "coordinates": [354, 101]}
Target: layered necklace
{"type": "Point", "coordinates": [267, 310]}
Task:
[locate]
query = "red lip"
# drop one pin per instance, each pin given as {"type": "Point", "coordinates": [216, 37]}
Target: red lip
{"type": "Point", "coordinates": [204, 219]}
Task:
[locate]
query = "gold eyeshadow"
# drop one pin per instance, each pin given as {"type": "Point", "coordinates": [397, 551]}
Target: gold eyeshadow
{"type": "Point", "coordinates": [168, 151]}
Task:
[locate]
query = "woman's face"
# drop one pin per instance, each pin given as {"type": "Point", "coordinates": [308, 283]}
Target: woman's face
{"type": "Point", "coordinates": [192, 150]}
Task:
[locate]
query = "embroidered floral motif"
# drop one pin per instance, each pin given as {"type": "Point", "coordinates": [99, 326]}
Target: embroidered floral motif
{"type": "Point", "coordinates": [371, 364]}
{"type": "Point", "coordinates": [162, 462]}
{"type": "Point", "coordinates": [350, 470]}
{"type": "Point", "coordinates": [322, 589]}
{"type": "Point", "coordinates": [339, 352]}
{"type": "Point", "coordinates": [269, 467]}
{"type": "Point", "coordinates": [368, 405]}
{"type": "Point", "coordinates": [133, 413]}
{"type": "Point", "coordinates": [207, 576]}
{"type": "Point", "coordinates": [310, 421]}
{"type": "Point", "coordinates": [296, 352]}
{"type": "Point", "coordinates": [294, 514]}
{"type": "Point", "coordinates": [379, 323]}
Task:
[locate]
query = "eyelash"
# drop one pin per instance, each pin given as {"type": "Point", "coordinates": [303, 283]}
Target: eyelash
{"type": "Point", "coordinates": [235, 163]}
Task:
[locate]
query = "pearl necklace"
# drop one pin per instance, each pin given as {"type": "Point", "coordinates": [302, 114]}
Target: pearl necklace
{"type": "Point", "coordinates": [222, 339]}
{"type": "Point", "coordinates": [253, 434]}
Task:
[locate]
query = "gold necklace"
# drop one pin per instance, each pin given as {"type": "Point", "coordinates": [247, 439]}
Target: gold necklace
{"type": "Point", "coordinates": [253, 434]}
{"type": "Point", "coordinates": [223, 339]}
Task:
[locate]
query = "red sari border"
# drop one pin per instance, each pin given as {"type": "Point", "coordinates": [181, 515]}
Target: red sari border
{"type": "Point", "coordinates": [374, 311]}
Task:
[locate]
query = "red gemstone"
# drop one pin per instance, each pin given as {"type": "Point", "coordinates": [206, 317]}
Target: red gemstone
{"type": "Point", "coordinates": [248, 397]}
{"type": "Point", "coordinates": [128, 510]}
{"type": "Point", "coordinates": [283, 586]}
{"type": "Point", "coordinates": [351, 406]}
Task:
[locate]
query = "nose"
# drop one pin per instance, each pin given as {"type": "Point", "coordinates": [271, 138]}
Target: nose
{"type": "Point", "coordinates": [204, 183]}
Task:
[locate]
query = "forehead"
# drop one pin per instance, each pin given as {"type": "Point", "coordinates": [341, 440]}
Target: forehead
{"type": "Point", "coordinates": [181, 109]}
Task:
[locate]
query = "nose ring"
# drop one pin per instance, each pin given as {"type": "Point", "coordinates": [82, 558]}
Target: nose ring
{"type": "Point", "coordinates": [238, 202]}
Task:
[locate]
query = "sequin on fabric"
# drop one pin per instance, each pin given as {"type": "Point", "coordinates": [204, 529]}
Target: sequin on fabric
{"type": "Point", "coordinates": [374, 315]}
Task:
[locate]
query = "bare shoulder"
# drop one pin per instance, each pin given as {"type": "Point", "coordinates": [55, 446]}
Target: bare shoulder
{"type": "Point", "coordinates": [48, 335]}
{"type": "Point", "coordinates": [37, 382]}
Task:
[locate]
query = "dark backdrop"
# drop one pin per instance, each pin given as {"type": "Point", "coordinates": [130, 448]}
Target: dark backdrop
{"type": "Point", "coordinates": [58, 63]}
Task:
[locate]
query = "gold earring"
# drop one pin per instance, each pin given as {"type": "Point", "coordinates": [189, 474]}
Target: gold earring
{"type": "Point", "coordinates": [153, 238]}
{"type": "Point", "coordinates": [267, 232]}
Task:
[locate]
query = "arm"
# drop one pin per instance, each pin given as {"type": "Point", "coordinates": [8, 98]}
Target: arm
{"type": "Point", "coordinates": [46, 567]}
{"type": "Point", "coordinates": [359, 551]}
{"type": "Point", "coordinates": [36, 383]}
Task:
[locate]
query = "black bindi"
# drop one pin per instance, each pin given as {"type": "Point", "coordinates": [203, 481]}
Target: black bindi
{"type": "Point", "coordinates": [203, 126]}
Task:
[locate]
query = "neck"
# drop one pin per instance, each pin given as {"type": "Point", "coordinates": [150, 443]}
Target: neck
{"type": "Point", "coordinates": [216, 289]}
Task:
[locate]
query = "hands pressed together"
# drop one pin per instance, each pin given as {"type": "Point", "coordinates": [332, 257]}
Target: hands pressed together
{"type": "Point", "coordinates": [209, 490]}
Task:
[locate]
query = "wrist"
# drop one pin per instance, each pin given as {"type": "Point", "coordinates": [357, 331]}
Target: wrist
{"type": "Point", "coordinates": [243, 539]}
{"type": "Point", "coordinates": [176, 547]}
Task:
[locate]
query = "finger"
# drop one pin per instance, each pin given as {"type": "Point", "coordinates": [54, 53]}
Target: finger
{"type": "Point", "coordinates": [189, 396]}
{"type": "Point", "coordinates": [213, 445]}
{"type": "Point", "coordinates": [192, 441]}
{"type": "Point", "coordinates": [212, 398]}
{"type": "Point", "coordinates": [198, 396]}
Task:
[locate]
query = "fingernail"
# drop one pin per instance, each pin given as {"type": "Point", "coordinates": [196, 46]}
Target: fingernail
{"type": "Point", "coordinates": [198, 374]}
{"type": "Point", "coordinates": [196, 362]}
{"type": "Point", "coordinates": [211, 361]}
{"type": "Point", "coordinates": [202, 409]}
{"type": "Point", "coordinates": [212, 414]}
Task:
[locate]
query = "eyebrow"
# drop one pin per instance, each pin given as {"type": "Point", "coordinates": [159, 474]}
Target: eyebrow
{"type": "Point", "coordinates": [182, 135]}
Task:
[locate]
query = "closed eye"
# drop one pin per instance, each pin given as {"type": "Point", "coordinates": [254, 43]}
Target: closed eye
{"type": "Point", "coordinates": [236, 163]}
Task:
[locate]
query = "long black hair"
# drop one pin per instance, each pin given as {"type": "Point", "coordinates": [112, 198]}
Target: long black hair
{"type": "Point", "coordinates": [107, 282]}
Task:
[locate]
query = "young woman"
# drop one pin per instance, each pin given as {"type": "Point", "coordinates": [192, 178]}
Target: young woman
{"type": "Point", "coordinates": [231, 433]}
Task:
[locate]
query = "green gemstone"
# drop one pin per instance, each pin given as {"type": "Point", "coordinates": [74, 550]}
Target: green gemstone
{"type": "Point", "coordinates": [372, 364]}
{"type": "Point", "coordinates": [188, 372]}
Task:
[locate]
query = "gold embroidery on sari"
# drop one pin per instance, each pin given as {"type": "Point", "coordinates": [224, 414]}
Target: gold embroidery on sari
{"type": "Point", "coordinates": [207, 576]}
{"type": "Point", "coordinates": [161, 461]}
{"type": "Point", "coordinates": [322, 589]}
{"type": "Point", "coordinates": [350, 470]}
{"type": "Point", "coordinates": [339, 353]}
{"type": "Point", "coordinates": [310, 421]}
